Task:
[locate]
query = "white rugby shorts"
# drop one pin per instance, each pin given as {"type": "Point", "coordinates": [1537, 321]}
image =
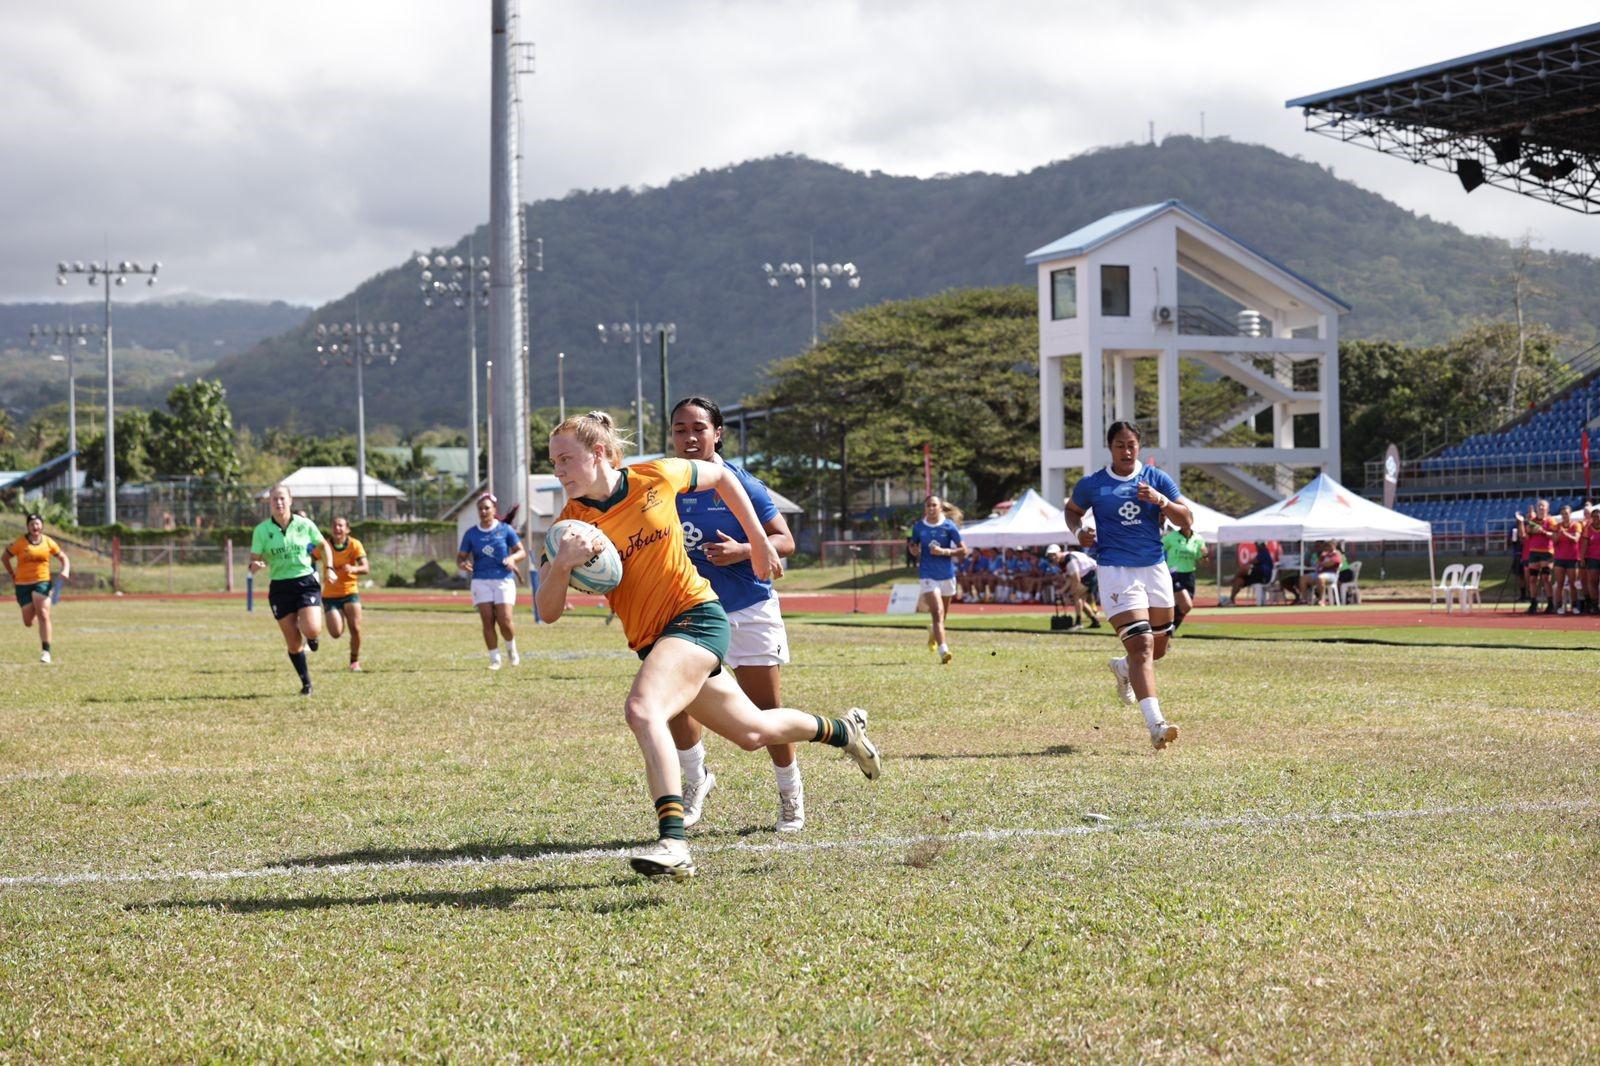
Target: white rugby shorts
{"type": "Point", "coordinates": [493, 590]}
{"type": "Point", "coordinates": [945, 588]}
{"type": "Point", "coordinates": [759, 637]}
{"type": "Point", "coordinates": [1134, 588]}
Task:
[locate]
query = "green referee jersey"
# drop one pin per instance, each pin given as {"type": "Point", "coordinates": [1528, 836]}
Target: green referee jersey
{"type": "Point", "coordinates": [287, 551]}
{"type": "Point", "coordinates": [1183, 553]}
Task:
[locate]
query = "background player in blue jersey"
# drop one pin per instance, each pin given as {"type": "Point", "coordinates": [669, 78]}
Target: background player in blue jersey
{"type": "Point", "coordinates": [935, 542]}
{"type": "Point", "coordinates": [759, 644]}
{"type": "Point", "coordinates": [490, 552]}
{"type": "Point", "coordinates": [1130, 501]}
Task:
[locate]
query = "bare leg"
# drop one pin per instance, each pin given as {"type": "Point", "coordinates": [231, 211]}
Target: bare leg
{"type": "Point", "coordinates": [41, 607]}
{"type": "Point", "coordinates": [937, 606]}
{"type": "Point", "coordinates": [491, 639]}
{"type": "Point", "coordinates": [761, 684]}
{"type": "Point", "coordinates": [502, 616]}
{"type": "Point", "coordinates": [292, 639]}
{"type": "Point", "coordinates": [309, 619]}
{"type": "Point", "coordinates": [667, 680]}
{"type": "Point", "coordinates": [27, 615]}
{"type": "Point", "coordinates": [352, 611]}
{"type": "Point", "coordinates": [335, 620]}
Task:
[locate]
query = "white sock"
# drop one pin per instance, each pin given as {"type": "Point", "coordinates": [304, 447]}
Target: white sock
{"type": "Point", "coordinates": [788, 777]}
{"type": "Point", "coordinates": [511, 649]}
{"type": "Point", "coordinates": [1150, 707]}
{"type": "Point", "coordinates": [944, 649]}
{"type": "Point", "coordinates": [692, 761]}
{"type": "Point", "coordinates": [494, 655]}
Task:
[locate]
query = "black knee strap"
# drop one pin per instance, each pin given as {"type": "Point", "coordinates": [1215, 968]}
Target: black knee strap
{"type": "Point", "coordinates": [1134, 629]}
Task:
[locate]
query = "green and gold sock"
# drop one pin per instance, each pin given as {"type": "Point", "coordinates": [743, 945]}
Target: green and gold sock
{"type": "Point", "coordinates": [831, 731]}
{"type": "Point", "coordinates": [669, 815]}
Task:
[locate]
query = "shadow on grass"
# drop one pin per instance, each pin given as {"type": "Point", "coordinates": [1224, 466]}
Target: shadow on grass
{"type": "Point", "coordinates": [461, 852]}
{"type": "Point", "coordinates": [205, 698]}
{"type": "Point", "coordinates": [1052, 751]}
{"type": "Point", "coordinates": [486, 898]}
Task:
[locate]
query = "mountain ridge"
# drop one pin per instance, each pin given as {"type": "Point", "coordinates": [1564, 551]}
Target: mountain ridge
{"type": "Point", "coordinates": [690, 251]}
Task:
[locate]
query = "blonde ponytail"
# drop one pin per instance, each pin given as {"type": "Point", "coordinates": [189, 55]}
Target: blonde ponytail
{"type": "Point", "coordinates": [596, 428]}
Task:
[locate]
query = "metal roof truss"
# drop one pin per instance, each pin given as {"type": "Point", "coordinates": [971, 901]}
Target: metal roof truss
{"type": "Point", "coordinates": [1528, 121]}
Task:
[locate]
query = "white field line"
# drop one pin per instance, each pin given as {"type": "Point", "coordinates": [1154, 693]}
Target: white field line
{"type": "Point", "coordinates": [561, 858]}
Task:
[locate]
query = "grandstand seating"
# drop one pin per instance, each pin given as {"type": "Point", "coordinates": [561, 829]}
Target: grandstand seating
{"type": "Point", "coordinates": [1476, 485]}
{"type": "Point", "coordinates": [1550, 433]}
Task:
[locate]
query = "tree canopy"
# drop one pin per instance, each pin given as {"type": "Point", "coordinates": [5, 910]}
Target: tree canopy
{"type": "Point", "coordinates": [956, 371]}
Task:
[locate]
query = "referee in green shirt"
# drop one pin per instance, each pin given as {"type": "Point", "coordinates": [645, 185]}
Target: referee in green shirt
{"type": "Point", "coordinates": [1185, 550]}
{"type": "Point", "coordinates": [282, 545]}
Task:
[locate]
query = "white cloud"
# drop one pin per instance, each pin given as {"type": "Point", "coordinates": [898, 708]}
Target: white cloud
{"type": "Point", "coordinates": [291, 149]}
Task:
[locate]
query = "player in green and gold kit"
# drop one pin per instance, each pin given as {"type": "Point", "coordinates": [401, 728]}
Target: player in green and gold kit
{"type": "Point", "coordinates": [282, 544]}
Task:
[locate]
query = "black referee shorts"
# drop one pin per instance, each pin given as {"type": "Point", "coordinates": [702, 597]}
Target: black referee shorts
{"type": "Point", "coordinates": [289, 595]}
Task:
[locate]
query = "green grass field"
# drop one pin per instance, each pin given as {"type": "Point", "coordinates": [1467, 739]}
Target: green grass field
{"type": "Point", "coordinates": [1355, 852]}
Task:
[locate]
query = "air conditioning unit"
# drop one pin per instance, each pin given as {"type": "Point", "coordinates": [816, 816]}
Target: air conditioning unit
{"type": "Point", "coordinates": [1166, 315]}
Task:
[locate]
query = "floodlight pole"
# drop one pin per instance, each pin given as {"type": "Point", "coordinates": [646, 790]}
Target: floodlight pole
{"type": "Point", "coordinates": [357, 346]}
{"type": "Point", "coordinates": [108, 275]}
{"type": "Point", "coordinates": [666, 417]}
{"type": "Point", "coordinates": [469, 284]}
{"type": "Point", "coordinates": [813, 276]}
{"type": "Point", "coordinates": [69, 337]}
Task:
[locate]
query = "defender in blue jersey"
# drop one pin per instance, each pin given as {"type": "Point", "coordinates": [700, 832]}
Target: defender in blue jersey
{"type": "Point", "coordinates": [935, 542]}
{"type": "Point", "coordinates": [490, 552]}
{"type": "Point", "coordinates": [758, 645]}
{"type": "Point", "coordinates": [1129, 502]}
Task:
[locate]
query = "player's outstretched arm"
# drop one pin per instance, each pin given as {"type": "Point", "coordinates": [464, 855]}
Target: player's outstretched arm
{"type": "Point", "coordinates": [763, 556]}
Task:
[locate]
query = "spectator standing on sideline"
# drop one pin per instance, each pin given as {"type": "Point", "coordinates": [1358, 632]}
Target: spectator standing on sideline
{"type": "Point", "coordinates": [1536, 530]}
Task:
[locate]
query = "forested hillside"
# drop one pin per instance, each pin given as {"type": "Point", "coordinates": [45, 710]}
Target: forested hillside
{"type": "Point", "coordinates": [691, 253]}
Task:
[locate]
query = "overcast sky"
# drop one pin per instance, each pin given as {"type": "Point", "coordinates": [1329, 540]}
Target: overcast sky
{"type": "Point", "coordinates": [290, 149]}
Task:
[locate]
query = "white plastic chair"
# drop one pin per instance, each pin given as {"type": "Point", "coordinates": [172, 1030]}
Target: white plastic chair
{"type": "Point", "coordinates": [1350, 591]}
{"type": "Point", "coordinates": [1447, 586]}
{"type": "Point", "coordinates": [1467, 593]}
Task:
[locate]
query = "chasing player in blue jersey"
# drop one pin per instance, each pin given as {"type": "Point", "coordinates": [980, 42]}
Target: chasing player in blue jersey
{"type": "Point", "coordinates": [1130, 502]}
{"type": "Point", "coordinates": [936, 543]}
{"type": "Point", "coordinates": [490, 552]}
{"type": "Point", "coordinates": [759, 644]}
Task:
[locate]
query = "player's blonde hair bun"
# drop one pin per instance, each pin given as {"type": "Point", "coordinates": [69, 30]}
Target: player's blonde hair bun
{"type": "Point", "coordinates": [596, 428]}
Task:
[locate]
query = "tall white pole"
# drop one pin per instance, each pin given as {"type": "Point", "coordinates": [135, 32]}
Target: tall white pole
{"type": "Point", "coordinates": [72, 426]}
{"type": "Point", "coordinates": [111, 411]}
{"type": "Point", "coordinates": [508, 401]}
{"type": "Point", "coordinates": [638, 384]}
{"type": "Point", "coordinates": [472, 364]}
{"type": "Point", "coordinates": [361, 428]}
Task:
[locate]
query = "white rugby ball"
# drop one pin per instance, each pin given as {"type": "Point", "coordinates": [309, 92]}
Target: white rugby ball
{"type": "Point", "coordinates": [602, 572]}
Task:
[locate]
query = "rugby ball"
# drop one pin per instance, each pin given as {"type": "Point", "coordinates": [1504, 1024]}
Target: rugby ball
{"type": "Point", "coordinates": [601, 573]}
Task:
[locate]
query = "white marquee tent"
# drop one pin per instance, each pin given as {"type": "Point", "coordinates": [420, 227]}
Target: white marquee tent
{"type": "Point", "coordinates": [1206, 521]}
{"type": "Point", "coordinates": [1030, 522]}
{"type": "Point", "coordinates": [1325, 510]}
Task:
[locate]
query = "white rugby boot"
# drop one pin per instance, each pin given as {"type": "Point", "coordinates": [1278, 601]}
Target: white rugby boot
{"type": "Point", "coordinates": [858, 747]}
{"type": "Point", "coordinates": [791, 811]}
{"type": "Point", "coordinates": [1119, 670]}
{"type": "Point", "coordinates": [664, 858]}
{"type": "Point", "coordinates": [1162, 734]}
{"type": "Point", "coordinates": [694, 798]}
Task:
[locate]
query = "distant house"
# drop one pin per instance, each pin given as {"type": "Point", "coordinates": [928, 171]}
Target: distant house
{"type": "Point", "coordinates": [326, 491]}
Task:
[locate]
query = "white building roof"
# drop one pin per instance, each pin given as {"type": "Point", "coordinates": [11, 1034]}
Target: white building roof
{"type": "Point", "coordinates": [1085, 239]}
{"type": "Point", "coordinates": [334, 482]}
